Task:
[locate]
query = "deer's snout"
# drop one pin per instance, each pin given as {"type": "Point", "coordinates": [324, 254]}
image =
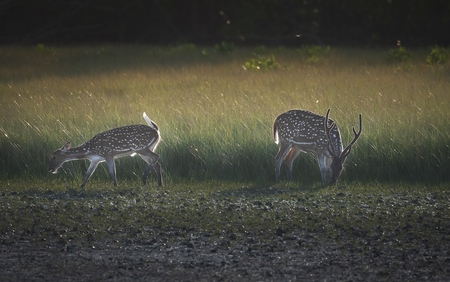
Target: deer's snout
{"type": "Point", "coordinates": [53, 170]}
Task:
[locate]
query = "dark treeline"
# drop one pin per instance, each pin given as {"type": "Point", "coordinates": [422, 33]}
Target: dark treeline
{"type": "Point", "coordinates": [270, 22]}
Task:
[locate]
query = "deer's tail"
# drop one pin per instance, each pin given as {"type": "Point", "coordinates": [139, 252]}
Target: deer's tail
{"type": "Point", "coordinates": [150, 122]}
{"type": "Point", "coordinates": [275, 133]}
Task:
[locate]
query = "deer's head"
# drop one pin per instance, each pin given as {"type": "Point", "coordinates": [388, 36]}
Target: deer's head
{"type": "Point", "coordinates": [338, 158]}
{"type": "Point", "coordinates": [58, 158]}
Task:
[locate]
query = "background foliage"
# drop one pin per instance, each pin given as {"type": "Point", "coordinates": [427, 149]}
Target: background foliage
{"type": "Point", "coordinates": [349, 22]}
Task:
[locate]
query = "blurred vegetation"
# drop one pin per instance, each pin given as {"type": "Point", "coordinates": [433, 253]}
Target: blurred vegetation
{"type": "Point", "coordinates": [269, 22]}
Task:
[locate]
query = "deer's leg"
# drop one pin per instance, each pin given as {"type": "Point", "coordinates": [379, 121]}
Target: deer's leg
{"type": "Point", "coordinates": [289, 160]}
{"type": "Point", "coordinates": [92, 166]}
{"type": "Point", "coordinates": [325, 167]}
{"type": "Point", "coordinates": [279, 158]}
{"type": "Point", "coordinates": [112, 169]}
{"type": "Point", "coordinates": [157, 168]}
{"type": "Point", "coordinates": [152, 160]}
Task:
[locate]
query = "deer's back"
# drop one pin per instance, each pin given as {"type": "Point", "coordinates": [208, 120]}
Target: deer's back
{"type": "Point", "coordinates": [305, 126]}
{"type": "Point", "coordinates": [123, 139]}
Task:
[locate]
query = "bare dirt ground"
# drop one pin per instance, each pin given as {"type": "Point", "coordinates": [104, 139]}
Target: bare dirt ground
{"type": "Point", "coordinates": [185, 256]}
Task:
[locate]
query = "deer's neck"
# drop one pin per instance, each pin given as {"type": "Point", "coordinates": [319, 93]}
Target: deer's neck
{"type": "Point", "coordinates": [79, 152]}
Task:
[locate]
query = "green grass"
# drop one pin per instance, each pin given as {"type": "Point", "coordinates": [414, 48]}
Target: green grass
{"type": "Point", "coordinates": [216, 117]}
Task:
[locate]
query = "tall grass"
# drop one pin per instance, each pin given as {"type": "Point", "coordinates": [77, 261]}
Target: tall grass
{"type": "Point", "coordinates": [215, 116]}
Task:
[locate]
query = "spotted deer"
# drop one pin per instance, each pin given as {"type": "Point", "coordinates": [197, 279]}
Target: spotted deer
{"type": "Point", "coordinates": [115, 143]}
{"type": "Point", "coordinates": [300, 130]}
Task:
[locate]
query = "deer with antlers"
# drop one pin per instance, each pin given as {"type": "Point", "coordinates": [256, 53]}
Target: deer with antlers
{"type": "Point", "coordinates": [300, 130]}
{"type": "Point", "coordinates": [115, 143]}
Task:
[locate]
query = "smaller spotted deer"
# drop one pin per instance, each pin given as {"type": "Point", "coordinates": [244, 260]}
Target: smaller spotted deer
{"type": "Point", "coordinates": [115, 143]}
{"type": "Point", "coordinates": [300, 130]}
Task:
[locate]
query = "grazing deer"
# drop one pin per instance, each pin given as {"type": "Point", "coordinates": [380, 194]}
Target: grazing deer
{"type": "Point", "coordinates": [300, 130]}
{"type": "Point", "coordinates": [115, 143]}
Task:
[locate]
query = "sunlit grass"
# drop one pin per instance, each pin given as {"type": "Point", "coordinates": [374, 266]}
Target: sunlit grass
{"type": "Point", "coordinates": [216, 117]}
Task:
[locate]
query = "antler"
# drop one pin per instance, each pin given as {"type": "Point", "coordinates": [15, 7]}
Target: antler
{"type": "Point", "coordinates": [349, 146]}
{"type": "Point", "coordinates": [327, 131]}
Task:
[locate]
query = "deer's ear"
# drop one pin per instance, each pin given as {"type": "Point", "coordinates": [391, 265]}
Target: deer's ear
{"type": "Point", "coordinates": [66, 147]}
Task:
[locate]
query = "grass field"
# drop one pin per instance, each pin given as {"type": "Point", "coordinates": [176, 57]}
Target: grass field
{"type": "Point", "coordinates": [216, 116]}
{"type": "Point", "coordinates": [388, 217]}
